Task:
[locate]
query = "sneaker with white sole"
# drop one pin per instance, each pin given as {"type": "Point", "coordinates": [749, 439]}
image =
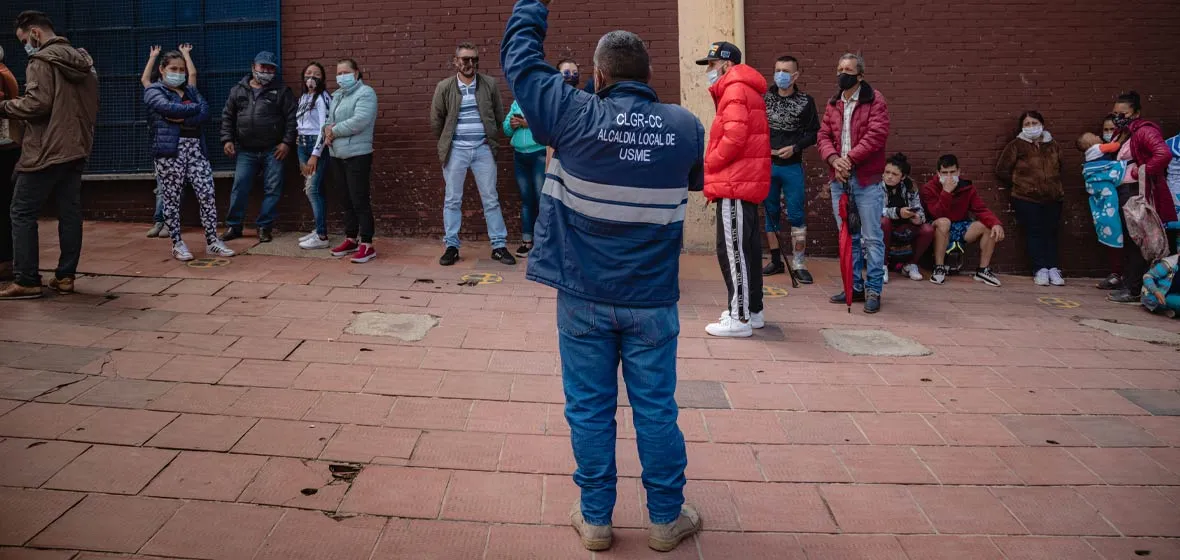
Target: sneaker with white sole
{"type": "Point", "coordinates": [885, 279]}
{"type": "Point", "coordinates": [180, 252]}
{"type": "Point", "coordinates": [914, 271]}
{"type": "Point", "coordinates": [1042, 277]}
{"type": "Point", "coordinates": [986, 276]}
{"type": "Point", "coordinates": [728, 327]}
{"type": "Point", "coordinates": [312, 235]}
{"type": "Point", "coordinates": [219, 249]}
{"type": "Point", "coordinates": [315, 242]}
{"type": "Point", "coordinates": [757, 320]}
{"type": "Point", "coordinates": [940, 272]}
{"type": "Point", "coordinates": [1055, 277]}
{"type": "Point", "coordinates": [364, 254]}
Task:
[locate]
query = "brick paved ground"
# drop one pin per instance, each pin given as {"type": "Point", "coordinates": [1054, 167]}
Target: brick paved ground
{"type": "Point", "coordinates": [171, 411]}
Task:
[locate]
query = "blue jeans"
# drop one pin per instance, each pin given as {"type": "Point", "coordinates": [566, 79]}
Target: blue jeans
{"type": "Point", "coordinates": [249, 163]}
{"type": "Point", "coordinates": [786, 181]}
{"type": "Point", "coordinates": [158, 217]}
{"type": "Point", "coordinates": [870, 202]}
{"type": "Point", "coordinates": [530, 176]}
{"type": "Point", "coordinates": [314, 190]}
{"type": "Point", "coordinates": [483, 166]}
{"type": "Point", "coordinates": [594, 337]}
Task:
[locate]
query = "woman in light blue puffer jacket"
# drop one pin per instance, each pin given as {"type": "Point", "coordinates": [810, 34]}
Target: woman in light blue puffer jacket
{"type": "Point", "coordinates": [349, 132]}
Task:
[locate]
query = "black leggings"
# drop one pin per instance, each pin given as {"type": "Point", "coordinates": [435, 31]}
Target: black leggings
{"type": "Point", "coordinates": [353, 175]}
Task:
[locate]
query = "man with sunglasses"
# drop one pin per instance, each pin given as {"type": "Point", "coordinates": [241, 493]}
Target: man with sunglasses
{"type": "Point", "coordinates": [465, 117]}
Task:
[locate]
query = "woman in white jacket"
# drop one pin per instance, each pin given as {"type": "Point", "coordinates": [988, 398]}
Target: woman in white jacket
{"type": "Point", "coordinates": [311, 116]}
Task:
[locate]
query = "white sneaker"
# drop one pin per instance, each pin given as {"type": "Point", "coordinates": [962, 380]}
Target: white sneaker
{"type": "Point", "coordinates": [885, 279]}
{"type": "Point", "coordinates": [315, 243]}
{"type": "Point", "coordinates": [729, 327]}
{"type": "Point", "coordinates": [311, 235]}
{"type": "Point", "coordinates": [757, 320]}
{"type": "Point", "coordinates": [914, 272]}
{"type": "Point", "coordinates": [1042, 277]}
{"type": "Point", "coordinates": [1055, 277]}
{"type": "Point", "coordinates": [181, 253]}
{"type": "Point", "coordinates": [218, 248]}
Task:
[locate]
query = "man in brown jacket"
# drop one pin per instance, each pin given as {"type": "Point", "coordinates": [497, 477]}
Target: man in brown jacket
{"type": "Point", "coordinates": [9, 154]}
{"type": "Point", "coordinates": [465, 118]}
{"type": "Point", "coordinates": [59, 109]}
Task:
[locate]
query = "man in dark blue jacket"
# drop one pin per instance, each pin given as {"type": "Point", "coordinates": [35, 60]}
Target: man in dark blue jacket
{"type": "Point", "coordinates": [608, 238]}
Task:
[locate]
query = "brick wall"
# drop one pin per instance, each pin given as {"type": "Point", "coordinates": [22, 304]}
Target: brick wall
{"type": "Point", "coordinates": [957, 78]}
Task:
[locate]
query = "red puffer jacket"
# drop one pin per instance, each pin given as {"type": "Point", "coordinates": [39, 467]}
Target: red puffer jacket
{"type": "Point", "coordinates": [737, 160]}
{"type": "Point", "coordinates": [1149, 150]}
{"type": "Point", "coordinates": [870, 130]}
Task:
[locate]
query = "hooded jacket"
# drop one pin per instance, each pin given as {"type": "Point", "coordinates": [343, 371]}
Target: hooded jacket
{"type": "Point", "coordinates": [59, 107]}
{"type": "Point", "coordinates": [1151, 152]}
{"type": "Point", "coordinates": [737, 160]}
{"type": "Point", "coordinates": [870, 130]}
{"type": "Point", "coordinates": [957, 205]}
{"type": "Point", "coordinates": [260, 122]}
{"type": "Point", "coordinates": [1032, 170]}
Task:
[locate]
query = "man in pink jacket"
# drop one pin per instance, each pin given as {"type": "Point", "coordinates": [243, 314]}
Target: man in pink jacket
{"type": "Point", "coordinates": [852, 141]}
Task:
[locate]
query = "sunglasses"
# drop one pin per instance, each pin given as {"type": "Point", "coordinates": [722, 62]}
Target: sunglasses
{"type": "Point", "coordinates": [469, 59]}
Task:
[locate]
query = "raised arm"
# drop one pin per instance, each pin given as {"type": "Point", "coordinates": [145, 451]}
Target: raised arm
{"type": "Point", "coordinates": [186, 51]}
{"type": "Point", "coordinates": [146, 78]}
{"type": "Point", "coordinates": [543, 96]}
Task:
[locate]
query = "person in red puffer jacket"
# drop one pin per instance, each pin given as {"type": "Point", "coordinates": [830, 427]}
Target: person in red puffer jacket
{"type": "Point", "coordinates": [737, 177]}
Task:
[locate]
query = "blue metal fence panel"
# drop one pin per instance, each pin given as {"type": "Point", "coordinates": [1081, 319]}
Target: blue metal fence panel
{"type": "Point", "coordinates": [226, 34]}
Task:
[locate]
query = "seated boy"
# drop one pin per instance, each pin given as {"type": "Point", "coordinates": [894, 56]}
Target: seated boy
{"type": "Point", "coordinates": [950, 202]}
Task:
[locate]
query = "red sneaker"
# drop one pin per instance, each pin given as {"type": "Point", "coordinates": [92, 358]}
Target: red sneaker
{"type": "Point", "coordinates": [365, 254]}
{"type": "Point", "coordinates": [347, 248]}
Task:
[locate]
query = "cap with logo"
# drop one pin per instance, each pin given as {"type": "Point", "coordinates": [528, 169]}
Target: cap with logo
{"type": "Point", "coordinates": [267, 58]}
{"type": "Point", "coordinates": [722, 51]}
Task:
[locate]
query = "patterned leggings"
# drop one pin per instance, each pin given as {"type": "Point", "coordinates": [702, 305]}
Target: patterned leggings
{"type": "Point", "coordinates": [192, 167]}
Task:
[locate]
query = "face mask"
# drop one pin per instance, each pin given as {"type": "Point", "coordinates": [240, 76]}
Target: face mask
{"type": "Point", "coordinates": [846, 81]}
{"type": "Point", "coordinates": [263, 77]}
{"type": "Point", "coordinates": [712, 76]}
{"type": "Point", "coordinates": [1032, 132]}
{"type": "Point", "coordinates": [571, 78]}
{"type": "Point", "coordinates": [314, 83]}
{"type": "Point", "coordinates": [1121, 121]}
{"type": "Point", "coordinates": [30, 49]}
{"type": "Point", "coordinates": [174, 79]}
{"type": "Point", "coordinates": [954, 179]}
{"type": "Point", "coordinates": [1107, 136]}
{"type": "Point", "coordinates": [346, 81]}
{"type": "Point", "coordinates": [782, 80]}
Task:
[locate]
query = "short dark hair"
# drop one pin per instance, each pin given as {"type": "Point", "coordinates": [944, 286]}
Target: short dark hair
{"type": "Point", "coordinates": [622, 55]}
{"type": "Point", "coordinates": [163, 61]}
{"type": "Point", "coordinates": [947, 160]}
{"type": "Point", "coordinates": [1130, 98]}
{"type": "Point", "coordinates": [899, 160]}
{"type": "Point", "coordinates": [568, 61]}
{"type": "Point", "coordinates": [788, 58]}
{"type": "Point", "coordinates": [466, 46]}
{"type": "Point", "coordinates": [1034, 114]}
{"type": "Point", "coordinates": [353, 64]}
{"type": "Point", "coordinates": [32, 18]}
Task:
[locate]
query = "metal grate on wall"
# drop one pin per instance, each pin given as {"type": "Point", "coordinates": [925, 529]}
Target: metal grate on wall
{"type": "Point", "coordinates": [226, 34]}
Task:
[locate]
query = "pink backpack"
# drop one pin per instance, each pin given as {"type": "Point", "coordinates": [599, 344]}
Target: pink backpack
{"type": "Point", "coordinates": [1143, 223]}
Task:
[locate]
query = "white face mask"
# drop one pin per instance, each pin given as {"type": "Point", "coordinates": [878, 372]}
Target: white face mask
{"type": "Point", "coordinates": [1032, 132]}
{"type": "Point", "coordinates": [712, 76]}
{"type": "Point", "coordinates": [1107, 136]}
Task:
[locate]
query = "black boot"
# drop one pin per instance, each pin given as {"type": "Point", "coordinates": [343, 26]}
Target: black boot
{"type": "Point", "coordinates": [775, 266]}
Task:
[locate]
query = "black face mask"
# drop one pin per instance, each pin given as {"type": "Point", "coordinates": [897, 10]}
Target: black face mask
{"type": "Point", "coordinates": [572, 79]}
{"type": "Point", "coordinates": [846, 81]}
{"type": "Point", "coordinates": [1121, 121]}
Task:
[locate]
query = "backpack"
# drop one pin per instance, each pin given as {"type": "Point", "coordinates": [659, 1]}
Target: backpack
{"type": "Point", "coordinates": [1143, 223]}
{"type": "Point", "coordinates": [1158, 283]}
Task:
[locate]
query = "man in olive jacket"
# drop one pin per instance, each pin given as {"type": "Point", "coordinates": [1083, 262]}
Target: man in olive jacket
{"type": "Point", "coordinates": [465, 117]}
{"type": "Point", "coordinates": [59, 110]}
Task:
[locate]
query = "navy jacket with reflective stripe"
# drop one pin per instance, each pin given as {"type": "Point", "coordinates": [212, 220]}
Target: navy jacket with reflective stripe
{"type": "Point", "coordinates": [611, 220]}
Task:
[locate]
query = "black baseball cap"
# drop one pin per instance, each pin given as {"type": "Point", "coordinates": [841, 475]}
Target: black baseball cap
{"type": "Point", "coordinates": [722, 51]}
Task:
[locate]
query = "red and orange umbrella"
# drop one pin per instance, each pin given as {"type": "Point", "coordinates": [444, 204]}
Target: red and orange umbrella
{"type": "Point", "coordinates": [846, 212]}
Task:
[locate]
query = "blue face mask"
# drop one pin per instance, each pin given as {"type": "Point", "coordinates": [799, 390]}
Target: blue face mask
{"type": "Point", "coordinates": [782, 80]}
{"type": "Point", "coordinates": [174, 79]}
{"type": "Point", "coordinates": [346, 81]}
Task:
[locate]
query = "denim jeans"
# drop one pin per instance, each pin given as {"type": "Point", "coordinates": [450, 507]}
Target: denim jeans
{"type": "Point", "coordinates": [158, 217]}
{"type": "Point", "coordinates": [248, 166]}
{"type": "Point", "coordinates": [1041, 223]}
{"type": "Point", "coordinates": [594, 338]}
{"type": "Point", "coordinates": [530, 176]}
{"type": "Point", "coordinates": [786, 181]}
{"type": "Point", "coordinates": [483, 166]}
{"type": "Point", "coordinates": [315, 190]}
{"type": "Point", "coordinates": [29, 194]}
{"type": "Point", "coordinates": [870, 202]}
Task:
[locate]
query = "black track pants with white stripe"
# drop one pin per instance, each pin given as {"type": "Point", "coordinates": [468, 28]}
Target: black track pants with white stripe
{"type": "Point", "coordinates": [739, 252]}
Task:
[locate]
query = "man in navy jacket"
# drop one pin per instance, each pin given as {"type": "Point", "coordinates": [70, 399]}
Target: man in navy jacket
{"type": "Point", "coordinates": [608, 238]}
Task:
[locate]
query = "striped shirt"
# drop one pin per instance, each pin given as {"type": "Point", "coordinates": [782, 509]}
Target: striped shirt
{"type": "Point", "coordinates": [469, 134]}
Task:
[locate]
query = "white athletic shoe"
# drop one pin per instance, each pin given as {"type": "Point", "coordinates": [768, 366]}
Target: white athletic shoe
{"type": "Point", "coordinates": [311, 235]}
{"type": "Point", "coordinates": [315, 242]}
{"type": "Point", "coordinates": [219, 249]}
{"type": "Point", "coordinates": [728, 327]}
{"type": "Point", "coordinates": [757, 320]}
{"type": "Point", "coordinates": [914, 272]}
{"type": "Point", "coordinates": [181, 253]}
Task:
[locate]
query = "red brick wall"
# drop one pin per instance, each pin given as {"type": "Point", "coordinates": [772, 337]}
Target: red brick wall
{"type": "Point", "coordinates": [957, 78]}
